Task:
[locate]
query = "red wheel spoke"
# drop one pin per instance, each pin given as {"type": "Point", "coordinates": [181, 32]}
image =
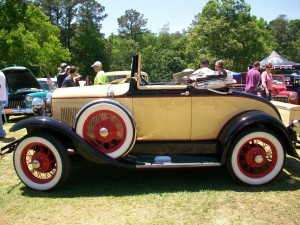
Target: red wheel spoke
{"type": "Point", "coordinates": [105, 130]}
{"type": "Point", "coordinates": [257, 157]}
{"type": "Point", "coordinates": [38, 163]}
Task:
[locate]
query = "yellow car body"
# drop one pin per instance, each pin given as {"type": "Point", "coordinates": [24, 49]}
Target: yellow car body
{"type": "Point", "coordinates": [138, 124]}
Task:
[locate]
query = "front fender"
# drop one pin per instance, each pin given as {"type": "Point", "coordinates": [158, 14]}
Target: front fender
{"type": "Point", "coordinates": [250, 120]}
{"type": "Point", "coordinates": [59, 129]}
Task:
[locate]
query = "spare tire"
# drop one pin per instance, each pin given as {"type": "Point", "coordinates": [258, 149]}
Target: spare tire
{"type": "Point", "coordinates": [108, 126]}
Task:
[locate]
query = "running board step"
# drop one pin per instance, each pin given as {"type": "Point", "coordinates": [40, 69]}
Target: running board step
{"type": "Point", "coordinates": [182, 161]}
{"type": "Point", "coordinates": [177, 165]}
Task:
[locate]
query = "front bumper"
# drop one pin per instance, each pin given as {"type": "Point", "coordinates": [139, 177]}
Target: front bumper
{"type": "Point", "coordinates": [17, 111]}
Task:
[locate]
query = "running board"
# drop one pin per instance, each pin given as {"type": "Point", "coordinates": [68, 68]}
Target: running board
{"type": "Point", "coordinates": [178, 161]}
{"type": "Point", "coordinates": [177, 165]}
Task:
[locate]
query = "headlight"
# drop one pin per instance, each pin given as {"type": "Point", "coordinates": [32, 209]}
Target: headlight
{"type": "Point", "coordinates": [49, 96]}
{"type": "Point", "coordinates": [292, 96]}
{"type": "Point", "coordinates": [28, 98]}
{"type": "Point", "coordinates": [38, 106]}
{"type": "Point", "coordinates": [48, 103]}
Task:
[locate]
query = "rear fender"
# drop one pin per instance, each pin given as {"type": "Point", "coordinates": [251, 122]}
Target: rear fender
{"type": "Point", "coordinates": [58, 128]}
{"type": "Point", "coordinates": [254, 119]}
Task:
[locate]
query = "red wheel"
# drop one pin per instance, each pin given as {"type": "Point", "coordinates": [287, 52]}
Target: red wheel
{"type": "Point", "coordinates": [108, 128]}
{"type": "Point", "coordinates": [256, 158]}
{"type": "Point", "coordinates": [41, 162]}
{"type": "Point", "coordinates": [38, 163]}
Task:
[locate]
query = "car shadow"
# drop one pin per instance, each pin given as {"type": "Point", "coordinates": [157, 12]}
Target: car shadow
{"type": "Point", "coordinates": [88, 180]}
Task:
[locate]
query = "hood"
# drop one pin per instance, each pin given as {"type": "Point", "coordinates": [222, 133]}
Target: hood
{"type": "Point", "coordinates": [18, 77]}
{"type": "Point", "coordinates": [94, 91]}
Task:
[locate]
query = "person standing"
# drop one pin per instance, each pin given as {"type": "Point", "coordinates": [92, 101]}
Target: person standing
{"type": "Point", "coordinates": [88, 81]}
{"type": "Point", "coordinates": [252, 78]}
{"type": "Point", "coordinates": [62, 74]}
{"type": "Point", "coordinates": [100, 76]}
{"type": "Point", "coordinates": [3, 99]}
{"type": "Point", "coordinates": [69, 80]}
{"type": "Point", "coordinates": [220, 68]}
{"type": "Point", "coordinates": [267, 82]}
{"type": "Point", "coordinates": [203, 71]}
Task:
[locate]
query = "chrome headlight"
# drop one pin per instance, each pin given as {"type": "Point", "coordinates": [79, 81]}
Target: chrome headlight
{"type": "Point", "coordinates": [28, 98]}
{"type": "Point", "coordinates": [292, 96]}
{"type": "Point", "coordinates": [38, 106]}
{"type": "Point", "coordinates": [49, 97]}
{"type": "Point", "coordinates": [49, 103]}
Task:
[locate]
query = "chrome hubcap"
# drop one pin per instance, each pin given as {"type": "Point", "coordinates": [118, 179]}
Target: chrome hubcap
{"type": "Point", "coordinates": [259, 159]}
{"type": "Point", "coordinates": [104, 132]}
{"type": "Point", "coordinates": [36, 164]}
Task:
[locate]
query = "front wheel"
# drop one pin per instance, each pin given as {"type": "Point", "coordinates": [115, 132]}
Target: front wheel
{"type": "Point", "coordinates": [41, 162]}
{"type": "Point", "coordinates": [256, 157]}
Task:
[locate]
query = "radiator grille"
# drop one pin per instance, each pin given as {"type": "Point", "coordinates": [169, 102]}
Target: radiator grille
{"type": "Point", "coordinates": [15, 104]}
{"type": "Point", "coordinates": [68, 115]}
{"type": "Point", "coordinates": [280, 98]}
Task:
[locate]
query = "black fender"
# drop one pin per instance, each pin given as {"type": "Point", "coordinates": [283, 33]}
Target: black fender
{"type": "Point", "coordinates": [254, 119]}
{"type": "Point", "coordinates": [58, 128]}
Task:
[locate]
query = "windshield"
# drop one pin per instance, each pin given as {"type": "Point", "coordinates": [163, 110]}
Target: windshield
{"type": "Point", "coordinates": [44, 85]}
{"type": "Point", "coordinates": [278, 80]}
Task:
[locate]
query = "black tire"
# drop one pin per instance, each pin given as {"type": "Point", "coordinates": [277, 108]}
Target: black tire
{"type": "Point", "coordinates": [41, 162]}
{"type": "Point", "coordinates": [256, 157]}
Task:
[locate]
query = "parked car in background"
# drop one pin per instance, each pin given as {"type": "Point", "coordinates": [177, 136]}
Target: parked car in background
{"type": "Point", "coordinates": [22, 88]}
{"type": "Point", "coordinates": [280, 89]}
{"type": "Point", "coordinates": [143, 125]}
{"type": "Point", "coordinates": [116, 77]}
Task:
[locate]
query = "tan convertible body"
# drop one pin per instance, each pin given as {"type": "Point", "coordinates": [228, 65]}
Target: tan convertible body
{"type": "Point", "coordinates": [155, 125]}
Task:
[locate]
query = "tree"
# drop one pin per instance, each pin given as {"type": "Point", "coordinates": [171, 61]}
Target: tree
{"type": "Point", "coordinates": [286, 34]}
{"type": "Point", "coordinates": [279, 30]}
{"type": "Point", "coordinates": [33, 42]}
{"type": "Point", "coordinates": [163, 55]}
{"type": "Point", "coordinates": [294, 40]}
{"type": "Point", "coordinates": [226, 30]}
{"type": "Point", "coordinates": [131, 25]}
{"type": "Point", "coordinates": [88, 44]}
{"type": "Point", "coordinates": [53, 9]}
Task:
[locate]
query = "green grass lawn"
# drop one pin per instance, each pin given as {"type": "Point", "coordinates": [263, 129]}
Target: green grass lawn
{"type": "Point", "coordinates": [95, 194]}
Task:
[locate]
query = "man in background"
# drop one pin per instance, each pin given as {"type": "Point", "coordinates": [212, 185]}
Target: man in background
{"type": "Point", "coordinates": [100, 76]}
{"type": "Point", "coordinates": [203, 71]}
{"type": "Point", "coordinates": [69, 80]}
{"type": "Point", "coordinates": [2, 101]}
{"type": "Point", "coordinates": [252, 78]}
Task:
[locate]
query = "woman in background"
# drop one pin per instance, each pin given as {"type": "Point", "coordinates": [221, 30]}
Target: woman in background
{"type": "Point", "coordinates": [88, 81]}
{"type": "Point", "coordinates": [267, 82]}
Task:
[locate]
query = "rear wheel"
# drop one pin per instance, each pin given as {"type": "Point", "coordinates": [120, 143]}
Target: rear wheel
{"type": "Point", "coordinates": [41, 162]}
{"type": "Point", "coordinates": [256, 157]}
{"type": "Point", "coordinates": [108, 127]}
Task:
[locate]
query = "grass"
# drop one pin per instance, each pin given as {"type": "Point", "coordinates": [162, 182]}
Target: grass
{"type": "Point", "coordinates": [95, 194]}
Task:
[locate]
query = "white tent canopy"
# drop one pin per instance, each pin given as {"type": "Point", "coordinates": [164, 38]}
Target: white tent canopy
{"type": "Point", "coordinates": [278, 62]}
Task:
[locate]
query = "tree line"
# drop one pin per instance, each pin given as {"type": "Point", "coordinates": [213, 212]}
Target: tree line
{"type": "Point", "coordinates": [41, 34]}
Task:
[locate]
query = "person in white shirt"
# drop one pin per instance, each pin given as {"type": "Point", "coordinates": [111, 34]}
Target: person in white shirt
{"type": "Point", "coordinates": [2, 101]}
{"type": "Point", "coordinates": [203, 71]}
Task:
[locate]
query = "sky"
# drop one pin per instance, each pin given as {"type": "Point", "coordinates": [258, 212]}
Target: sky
{"type": "Point", "coordinates": [180, 14]}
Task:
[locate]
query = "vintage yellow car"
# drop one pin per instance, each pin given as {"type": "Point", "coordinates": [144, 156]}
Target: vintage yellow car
{"type": "Point", "coordinates": [154, 125]}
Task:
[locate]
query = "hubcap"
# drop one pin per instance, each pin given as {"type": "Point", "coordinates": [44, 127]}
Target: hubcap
{"type": "Point", "coordinates": [259, 159]}
{"type": "Point", "coordinates": [36, 164]}
{"type": "Point", "coordinates": [255, 156]}
{"type": "Point", "coordinates": [104, 132]}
